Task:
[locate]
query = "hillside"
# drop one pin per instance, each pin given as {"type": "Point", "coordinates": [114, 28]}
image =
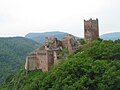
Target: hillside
{"type": "Point", "coordinates": [111, 36]}
{"type": "Point", "coordinates": [94, 66]}
{"type": "Point", "coordinates": [13, 51]}
{"type": "Point", "coordinates": [40, 37]}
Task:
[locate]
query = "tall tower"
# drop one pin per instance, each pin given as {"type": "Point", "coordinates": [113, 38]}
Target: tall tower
{"type": "Point", "coordinates": [91, 30]}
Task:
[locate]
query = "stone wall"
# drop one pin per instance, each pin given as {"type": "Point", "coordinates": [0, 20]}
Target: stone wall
{"type": "Point", "coordinates": [39, 59]}
{"type": "Point", "coordinates": [70, 43]}
{"type": "Point", "coordinates": [45, 56]}
{"type": "Point", "coordinates": [91, 30]}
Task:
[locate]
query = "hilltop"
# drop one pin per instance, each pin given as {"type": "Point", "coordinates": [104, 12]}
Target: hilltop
{"type": "Point", "coordinates": [111, 36]}
{"type": "Point", "coordinates": [40, 37]}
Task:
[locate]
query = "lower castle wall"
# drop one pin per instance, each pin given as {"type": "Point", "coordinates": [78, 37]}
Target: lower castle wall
{"type": "Point", "coordinates": [44, 57]}
{"type": "Point", "coordinates": [30, 63]}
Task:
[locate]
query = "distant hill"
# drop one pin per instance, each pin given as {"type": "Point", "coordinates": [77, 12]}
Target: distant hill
{"type": "Point", "coordinates": [111, 36]}
{"type": "Point", "coordinates": [13, 51]}
{"type": "Point", "coordinates": [40, 37]}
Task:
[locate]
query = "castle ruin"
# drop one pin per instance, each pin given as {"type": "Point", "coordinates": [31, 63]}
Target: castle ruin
{"type": "Point", "coordinates": [48, 54]}
{"type": "Point", "coordinates": [91, 30]}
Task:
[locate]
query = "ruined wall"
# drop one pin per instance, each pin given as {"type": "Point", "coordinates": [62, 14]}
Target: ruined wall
{"type": "Point", "coordinates": [40, 59]}
{"type": "Point", "coordinates": [54, 43]}
{"type": "Point", "coordinates": [50, 59]}
{"type": "Point", "coordinates": [91, 30]}
{"type": "Point", "coordinates": [31, 62]}
{"type": "Point", "coordinates": [45, 60]}
{"type": "Point", "coordinates": [70, 43]}
{"type": "Point", "coordinates": [56, 56]}
{"type": "Point", "coordinates": [41, 62]}
{"type": "Point", "coordinates": [45, 56]}
{"type": "Point", "coordinates": [46, 41]}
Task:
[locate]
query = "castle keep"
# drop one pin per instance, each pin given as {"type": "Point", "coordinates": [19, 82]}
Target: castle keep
{"type": "Point", "coordinates": [48, 54]}
{"type": "Point", "coordinates": [91, 30]}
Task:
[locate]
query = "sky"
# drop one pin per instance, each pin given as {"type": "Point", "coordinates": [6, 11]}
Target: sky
{"type": "Point", "coordinates": [19, 17]}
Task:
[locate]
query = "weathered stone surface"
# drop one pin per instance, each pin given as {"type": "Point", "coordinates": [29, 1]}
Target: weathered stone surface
{"type": "Point", "coordinates": [48, 54]}
{"type": "Point", "coordinates": [39, 59]}
{"type": "Point", "coordinates": [91, 30]}
{"type": "Point", "coordinates": [70, 43]}
{"type": "Point", "coordinates": [54, 43]}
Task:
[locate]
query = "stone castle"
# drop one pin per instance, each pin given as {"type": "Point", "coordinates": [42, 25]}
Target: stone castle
{"type": "Point", "coordinates": [48, 54]}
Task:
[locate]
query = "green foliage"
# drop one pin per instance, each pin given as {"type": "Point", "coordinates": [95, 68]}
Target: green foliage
{"type": "Point", "coordinates": [117, 41]}
{"type": "Point", "coordinates": [63, 54]}
{"type": "Point", "coordinates": [82, 41]}
{"type": "Point", "coordinates": [12, 54]}
{"type": "Point", "coordinates": [84, 70]}
{"type": "Point", "coordinates": [105, 50]}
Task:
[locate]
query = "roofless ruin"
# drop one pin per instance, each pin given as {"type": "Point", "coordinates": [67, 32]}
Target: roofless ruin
{"type": "Point", "coordinates": [48, 54]}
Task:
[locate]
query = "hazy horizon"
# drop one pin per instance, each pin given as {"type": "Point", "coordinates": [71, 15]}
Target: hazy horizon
{"type": "Point", "coordinates": [18, 18]}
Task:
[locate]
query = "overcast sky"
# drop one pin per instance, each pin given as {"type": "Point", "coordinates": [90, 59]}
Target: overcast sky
{"type": "Point", "coordinates": [19, 17]}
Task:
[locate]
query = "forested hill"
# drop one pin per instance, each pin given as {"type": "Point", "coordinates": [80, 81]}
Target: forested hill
{"type": "Point", "coordinates": [94, 66]}
{"type": "Point", "coordinates": [13, 51]}
{"type": "Point", "coordinates": [40, 37]}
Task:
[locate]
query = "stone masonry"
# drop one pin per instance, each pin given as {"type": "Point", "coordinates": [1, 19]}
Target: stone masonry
{"type": "Point", "coordinates": [41, 58]}
{"type": "Point", "coordinates": [48, 54]}
{"type": "Point", "coordinates": [70, 43]}
{"type": "Point", "coordinates": [91, 30]}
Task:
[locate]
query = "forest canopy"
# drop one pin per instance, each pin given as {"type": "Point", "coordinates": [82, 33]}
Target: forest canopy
{"type": "Point", "coordinates": [13, 52]}
{"type": "Point", "coordinates": [94, 66]}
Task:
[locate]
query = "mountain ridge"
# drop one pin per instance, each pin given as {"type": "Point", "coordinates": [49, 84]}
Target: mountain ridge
{"type": "Point", "coordinates": [40, 37]}
{"type": "Point", "coordinates": [110, 36]}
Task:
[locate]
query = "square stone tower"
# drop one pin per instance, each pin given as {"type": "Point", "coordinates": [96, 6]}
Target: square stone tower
{"type": "Point", "coordinates": [91, 30]}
